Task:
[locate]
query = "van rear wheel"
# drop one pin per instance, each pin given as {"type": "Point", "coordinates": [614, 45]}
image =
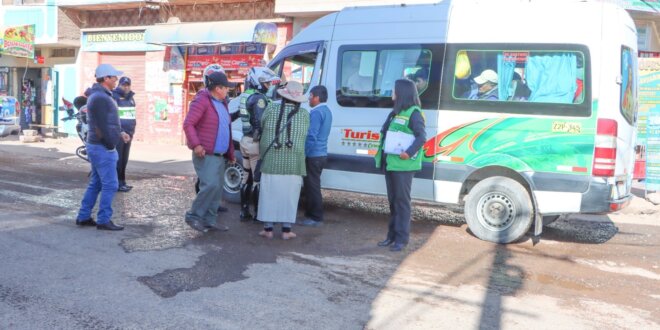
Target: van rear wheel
{"type": "Point", "coordinates": [499, 209]}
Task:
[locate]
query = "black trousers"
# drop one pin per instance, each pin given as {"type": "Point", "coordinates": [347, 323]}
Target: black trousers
{"type": "Point", "coordinates": [312, 186]}
{"type": "Point", "coordinates": [123, 149]}
{"type": "Point", "coordinates": [398, 194]}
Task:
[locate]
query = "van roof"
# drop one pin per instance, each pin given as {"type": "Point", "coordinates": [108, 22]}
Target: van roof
{"type": "Point", "coordinates": [431, 21]}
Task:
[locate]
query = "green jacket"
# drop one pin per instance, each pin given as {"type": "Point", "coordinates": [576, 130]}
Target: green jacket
{"type": "Point", "coordinates": [400, 123]}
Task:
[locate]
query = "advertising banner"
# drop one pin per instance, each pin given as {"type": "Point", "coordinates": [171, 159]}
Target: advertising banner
{"type": "Point", "coordinates": [18, 41]}
{"type": "Point", "coordinates": [265, 33]}
{"type": "Point", "coordinates": [653, 150]}
{"type": "Point", "coordinates": [228, 62]}
{"type": "Point", "coordinates": [648, 122]}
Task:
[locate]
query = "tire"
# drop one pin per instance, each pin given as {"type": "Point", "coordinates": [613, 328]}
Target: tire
{"type": "Point", "coordinates": [233, 177]}
{"type": "Point", "coordinates": [82, 153]}
{"type": "Point", "coordinates": [499, 209]}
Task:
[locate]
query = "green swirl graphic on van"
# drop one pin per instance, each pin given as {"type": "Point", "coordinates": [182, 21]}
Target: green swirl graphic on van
{"type": "Point", "coordinates": [521, 144]}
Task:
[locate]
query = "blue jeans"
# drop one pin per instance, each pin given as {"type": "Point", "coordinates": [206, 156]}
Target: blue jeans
{"type": "Point", "coordinates": [103, 180]}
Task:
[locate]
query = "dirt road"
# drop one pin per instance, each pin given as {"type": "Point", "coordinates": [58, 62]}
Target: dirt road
{"type": "Point", "coordinates": [584, 272]}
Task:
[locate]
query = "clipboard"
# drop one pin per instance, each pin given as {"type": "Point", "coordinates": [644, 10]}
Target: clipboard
{"type": "Point", "coordinates": [397, 142]}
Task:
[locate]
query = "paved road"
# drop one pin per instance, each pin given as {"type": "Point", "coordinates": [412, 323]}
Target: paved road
{"type": "Point", "coordinates": [585, 272]}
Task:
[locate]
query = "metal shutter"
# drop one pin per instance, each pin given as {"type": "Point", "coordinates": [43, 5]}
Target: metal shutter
{"type": "Point", "coordinates": [133, 66]}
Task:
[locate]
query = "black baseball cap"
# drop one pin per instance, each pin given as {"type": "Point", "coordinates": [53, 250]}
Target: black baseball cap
{"type": "Point", "coordinates": [218, 79]}
{"type": "Point", "coordinates": [124, 81]}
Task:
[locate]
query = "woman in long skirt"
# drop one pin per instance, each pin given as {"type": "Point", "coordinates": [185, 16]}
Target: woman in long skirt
{"type": "Point", "coordinates": [283, 163]}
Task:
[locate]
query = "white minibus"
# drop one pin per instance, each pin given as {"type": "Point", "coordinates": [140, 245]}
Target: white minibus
{"type": "Point", "coordinates": [530, 107]}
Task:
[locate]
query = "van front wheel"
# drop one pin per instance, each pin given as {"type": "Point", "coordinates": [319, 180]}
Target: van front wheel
{"type": "Point", "coordinates": [499, 209]}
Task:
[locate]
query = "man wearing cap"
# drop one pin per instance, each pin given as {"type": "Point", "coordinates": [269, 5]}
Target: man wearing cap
{"type": "Point", "coordinates": [104, 134]}
{"type": "Point", "coordinates": [123, 95]}
{"type": "Point", "coordinates": [486, 86]}
{"type": "Point", "coordinates": [208, 132]}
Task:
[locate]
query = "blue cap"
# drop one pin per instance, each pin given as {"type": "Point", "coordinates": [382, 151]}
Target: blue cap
{"type": "Point", "coordinates": [124, 81]}
{"type": "Point", "coordinates": [106, 70]}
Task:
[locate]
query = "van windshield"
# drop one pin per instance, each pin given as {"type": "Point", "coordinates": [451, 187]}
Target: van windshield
{"type": "Point", "coordinates": [298, 68]}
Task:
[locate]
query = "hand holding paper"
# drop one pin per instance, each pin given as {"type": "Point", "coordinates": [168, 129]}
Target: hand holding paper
{"type": "Point", "coordinates": [397, 142]}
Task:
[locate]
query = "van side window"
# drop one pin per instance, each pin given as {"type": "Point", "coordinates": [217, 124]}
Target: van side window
{"type": "Point", "coordinates": [505, 79]}
{"type": "Point", "coordinates": [628, 85]}
{"type": "Point", "coordinates": [298, 68]}
{"type": "Point", "coordinates": [367, 74]}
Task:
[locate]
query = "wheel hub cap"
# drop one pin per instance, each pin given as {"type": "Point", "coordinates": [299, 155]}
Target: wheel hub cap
{"type": "Point", "coordinates": [233, 178]}
{"type": "Point", "coordinates": [496, 211]}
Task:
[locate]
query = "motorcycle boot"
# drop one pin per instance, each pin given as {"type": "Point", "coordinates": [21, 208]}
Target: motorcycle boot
{"type": "Point", "coordinates": [246, 190]}
{"type": "Point", "coordinates": [255, 200]}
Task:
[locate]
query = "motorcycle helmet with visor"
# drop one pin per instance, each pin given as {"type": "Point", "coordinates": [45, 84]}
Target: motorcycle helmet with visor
{"type": "Point", "coordinates": [259, 76]}
{"type": "Point", "coordinates": [211, 68]}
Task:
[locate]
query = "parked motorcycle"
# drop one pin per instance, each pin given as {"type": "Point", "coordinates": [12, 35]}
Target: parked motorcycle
{"type": "Point", "coordinates": [80, 104]}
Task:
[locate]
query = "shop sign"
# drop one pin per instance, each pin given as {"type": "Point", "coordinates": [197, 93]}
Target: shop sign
{"type": "Point", "coordinates": [119, 41]}
{"type": "Point", "coordinates": [128, 36]}
{"type": "Point", "coordinates": [18, 41]}
{"type": "Point", "coordinates": [228, 62]}
{"type": "Point", "coordinates": [265, 33]}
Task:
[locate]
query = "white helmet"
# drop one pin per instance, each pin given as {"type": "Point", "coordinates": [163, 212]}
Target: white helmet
{"type": "Point", "coordinates": [211, 68]}
{"type": "Point", "coordinates": [259, 75]}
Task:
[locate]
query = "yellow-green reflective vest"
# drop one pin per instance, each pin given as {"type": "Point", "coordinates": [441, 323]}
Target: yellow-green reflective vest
{"type": "Point", "coordinates": [243, 112]}
{"type": "Point", "coordinates": [394, 163]}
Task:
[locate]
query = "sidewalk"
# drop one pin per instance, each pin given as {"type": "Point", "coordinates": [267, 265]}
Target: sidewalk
{"type": "Point", "coordinates": [153, 158]}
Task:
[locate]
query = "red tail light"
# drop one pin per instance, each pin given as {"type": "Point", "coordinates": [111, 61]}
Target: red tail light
{"type": "Point", "coordinates": [605, 151]}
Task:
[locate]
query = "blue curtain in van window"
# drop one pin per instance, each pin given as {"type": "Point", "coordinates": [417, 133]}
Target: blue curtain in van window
{"type": "Point", "coordinates": [551, 78]}
{"type": "Point", "coordinates": [505, 66]}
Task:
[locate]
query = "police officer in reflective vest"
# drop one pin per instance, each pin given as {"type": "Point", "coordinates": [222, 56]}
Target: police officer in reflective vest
{"type": "Point", "coordinates": [253, 103]}
{"type": "Point", "coordinates": [123, 95]}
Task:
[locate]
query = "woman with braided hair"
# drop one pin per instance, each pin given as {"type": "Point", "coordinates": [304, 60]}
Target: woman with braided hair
{"type": "Point", "coordinates": [282, 148]}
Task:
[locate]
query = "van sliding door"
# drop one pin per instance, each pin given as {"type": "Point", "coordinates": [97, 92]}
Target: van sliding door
{"type": "Point", "coordinates": [360, 82]}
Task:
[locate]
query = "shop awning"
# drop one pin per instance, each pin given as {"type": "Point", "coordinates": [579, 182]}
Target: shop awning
{"type": "Point", "coordinates": [209, 33]}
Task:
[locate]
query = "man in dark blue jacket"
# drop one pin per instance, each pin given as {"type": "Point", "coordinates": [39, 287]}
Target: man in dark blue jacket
{"type": "Point", "coordinates": [123, 95]}
{"type": "Point", "coordinates": [316, 154]}
{"type": "Point", "coordinates": [104, 134]}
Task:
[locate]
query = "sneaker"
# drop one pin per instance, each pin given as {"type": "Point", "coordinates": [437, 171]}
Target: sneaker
{"type": "Point", "coordinates": [311, 223]}
{"type": "Point", "coordinates": [216, 227]}
{"type": "Point", "coordinates": [194, 224]}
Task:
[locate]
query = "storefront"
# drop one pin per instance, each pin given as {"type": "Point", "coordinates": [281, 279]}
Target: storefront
{"type": "Point", "coordinates": [43, 74]}
{"type": "Point", "coordinates": [236, 46]}
{"type": "Point", "coordinates": [155, 82]}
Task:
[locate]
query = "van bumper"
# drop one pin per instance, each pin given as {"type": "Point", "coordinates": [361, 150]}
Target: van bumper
{"type": "Point", "coordinates": [601, 197]}
{"type": "Point", "coordinates": [596, 194]}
